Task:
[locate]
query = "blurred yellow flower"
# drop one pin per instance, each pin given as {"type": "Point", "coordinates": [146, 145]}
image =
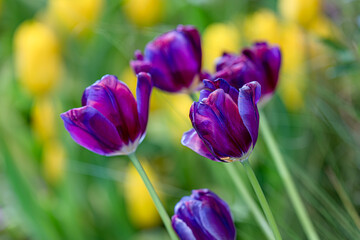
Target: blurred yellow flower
{"type": "Point", "coordinates": [144, 13]}
{"type": "Point", "coordinates": [216, 39]}
{"type": "Point", "coordinates": [293, 78]}
{"type": "Point", "coordinates": [77, 16]}
{"type": "Point", "coordinates": [53, 161]}
{"type": "Point", "coordinates": [322, 27]}
{"type": "Point", "coordinates": [302, 12]}
{"type": "Point", "coordinates": [43, 119]}
{"type": "Point", "coordinates": [263, 25]}
{"type": "Point", "coordinates": [128, 76]}
{"type": "Point", "coordinates": [37, 57]}
{"type": "Point", "coordinates": [140, 206]}
{"type": "Point", "coordinates": [177, 112]}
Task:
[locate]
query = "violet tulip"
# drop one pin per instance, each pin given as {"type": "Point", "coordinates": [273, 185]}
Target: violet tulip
{"type": "Point", "coordinates": [203, 215]}
{"type": "Point", "coordinates": [111, 121]}
{"type": "Point", "coordinates": [173, 59]}
{"type": "Point", "coordinates": [225, 121]}
{"type": "Point", "coordinates": [259, 63]}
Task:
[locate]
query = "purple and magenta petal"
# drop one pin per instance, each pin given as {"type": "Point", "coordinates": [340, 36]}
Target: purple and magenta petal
{"type": "Point", "coordinates": [249, 95]}
{"type": "Point", "coordinates": [90, 129]}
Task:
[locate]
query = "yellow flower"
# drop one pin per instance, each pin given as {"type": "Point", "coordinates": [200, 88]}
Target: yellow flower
{"type": "Point", "coordinates": [140, 206]}
{"type": "Point", "coordinates": [178, 115]}
{"type": "Point", "coordinates": [322, 27]}
{"type": "Point", "coordinates": [53, 161]}
{"type": "Point", "coordinates": [216, 39]}
{"type": "Point", "coordinates": [77, 16]}
{"type": "Point", "coordinates": [262, 26]}
{"type": "Point", "coordinates": [37, 57]}
{"type": "Point", "coordinates": [293, 78]}
{"type": "Point", "coordinates": [144, 13]}
{"type": "Point", "coordinates": [128, 76]}
{"type": "Point", "coordinates": [43, 119]}
{"type": "Point", "coordinates": [302, 12]}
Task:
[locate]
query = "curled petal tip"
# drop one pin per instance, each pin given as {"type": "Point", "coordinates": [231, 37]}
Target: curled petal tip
{"type": "Point", "coordinates": [138, 55]}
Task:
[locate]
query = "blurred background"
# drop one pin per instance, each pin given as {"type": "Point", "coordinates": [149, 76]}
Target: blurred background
{"type": "Point", "coordinates": [50, 51]}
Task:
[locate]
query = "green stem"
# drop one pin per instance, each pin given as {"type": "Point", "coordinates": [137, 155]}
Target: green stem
{"type": "Point", "coordinates": [162, 212]}
{"type": "Point", "coordinates": [194, 97]}
{"type": "Point", "coordinates": [287, 179]}
{"type": "Point", "coordinates": [259, 193]}
{"type": "Point", "coordinates": [249, 200]}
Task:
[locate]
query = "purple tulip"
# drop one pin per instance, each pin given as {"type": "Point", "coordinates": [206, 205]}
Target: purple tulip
{"type": "Point", "coordinates": [260, 63]}
{"type": "Point", "coordinates": [225, 121]}
{"type": "Point", "coordinates": [173, 59]}
{"type": "Point", "coordinates": [111, 121]}
{"type": "Point", "coordinates": [203, 215]}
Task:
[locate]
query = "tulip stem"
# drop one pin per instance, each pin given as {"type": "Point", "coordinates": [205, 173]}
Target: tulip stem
{"type": "Point", "coordinates": [162, 212]}
{"type": "Point", "coordinates": [262, 199]}
{"type": "Point", "coordinates": [287, 179]}
{"type": "Point", "coordinates": [193, 97]}
{"type": "Point", "coordinates": [249, 200]}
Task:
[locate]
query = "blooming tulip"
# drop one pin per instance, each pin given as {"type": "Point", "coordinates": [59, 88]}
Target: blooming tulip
{"type": "Point", "coordinates": [260, 63]}
{"type": "Point", "coordinates": [225, 121]}
{"type": "Point", "coordinates": [111, 121]}
{"type": "Point", "coordinates": [203, 215]}
{"type": "Point", "coordinates": [173, 60]}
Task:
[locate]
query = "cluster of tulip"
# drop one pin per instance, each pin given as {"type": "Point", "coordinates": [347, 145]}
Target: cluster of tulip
{"type": "Point", "coordinates": [225, 118]}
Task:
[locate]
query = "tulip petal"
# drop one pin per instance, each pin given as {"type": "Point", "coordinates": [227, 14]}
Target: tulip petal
{"type": "Point", "coordinates": [143, 92]}
{"type": "Point", "coordinates": [249, 95]}
{"type": "Point", "coordinates": [193, 35]}
{"type": "Point", "coordinates": [140, 65]}
{"type": "Point", "coordinates": [221, 83]}
{"type": "Point", "coordinates": [268, 59]}
{"type": "Point", "coordinates": [213, 222]}
{"type": "Point", "coordinates": [185, 211]}
{"type": "Point", "coordinates": [192, 140]}
{"type": "Point", "coordinates": [90, 129]}
{"type": "Point", "coordinates": [174, 64]}
{"type": "Point", "coordinates": [182, 230]}
{"type": "Point", "coordinates": [218, 123]}
{"type": "Point", "coordinates": [115, 101]}
{"type": "Point", "coordinates": [214, 214]}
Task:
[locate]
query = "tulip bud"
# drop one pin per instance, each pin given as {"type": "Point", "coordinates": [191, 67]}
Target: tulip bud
{"type": "Point", "coordinates": [173, 60]}
{"type": "Point", "coordinates": [111, 121]}
{"type": "Point", "coordinates": [37, 57]}
{"type": "Point", "coordinates": [259, 63]}
{"type": "Point", "coordinates": [203, 215]}
{"type": "Point", "coordinates": [225, 121]}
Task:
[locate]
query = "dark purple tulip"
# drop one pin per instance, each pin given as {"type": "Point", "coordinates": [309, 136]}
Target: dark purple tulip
{"type": "Point", "coordinates": [173, 59]}
{"type": "Point", "coordinates": [225, 121]}
{"type": "Point", "coordinates": [259, 63]}
{"type": "Point", "coordinates": [111, 121]}
{"type": "Point", "coordinates": [203, 215]}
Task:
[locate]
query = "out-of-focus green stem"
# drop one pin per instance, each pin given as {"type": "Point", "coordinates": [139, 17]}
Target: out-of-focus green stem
{"type": "Point", "coordinates": [287, 179]}
{"type": "Point", "coordinates": [262, 199]}
{"type": "Point", "coordinates": [162, 212]}
{"type": "Point", "coordinates": [193, 97]}
{"type": "Point", "coordinates": [344, 197]}
{"type": "Point", "coordinates": [249, 200]}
